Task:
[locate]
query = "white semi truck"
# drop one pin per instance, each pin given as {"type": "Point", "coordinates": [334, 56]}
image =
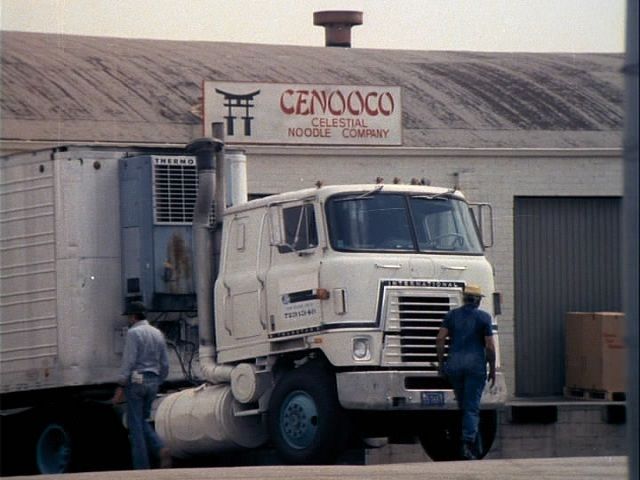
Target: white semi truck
{"type": "Point", "coordinates": [315, 312]}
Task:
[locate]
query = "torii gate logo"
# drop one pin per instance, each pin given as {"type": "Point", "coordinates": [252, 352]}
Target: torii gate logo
{"type": "Point", "coordinates": [238, 103]}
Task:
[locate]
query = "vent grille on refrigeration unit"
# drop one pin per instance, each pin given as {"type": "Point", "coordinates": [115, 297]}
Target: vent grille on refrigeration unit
{"type": "Point", "coordinates": [175, 188]}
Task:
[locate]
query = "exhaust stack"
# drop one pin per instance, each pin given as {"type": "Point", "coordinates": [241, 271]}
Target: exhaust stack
{"type": "Point", "coordinates": [337, 24]}
{"type": "Point", "coordinates": [205, 255]}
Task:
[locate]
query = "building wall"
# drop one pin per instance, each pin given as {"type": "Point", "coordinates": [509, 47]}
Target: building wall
{"type": "Point", "coordinates": [493, 176]}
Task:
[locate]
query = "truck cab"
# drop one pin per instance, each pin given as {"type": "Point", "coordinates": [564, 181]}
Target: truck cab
{"type": "Point", "coordinates": [356, 278]}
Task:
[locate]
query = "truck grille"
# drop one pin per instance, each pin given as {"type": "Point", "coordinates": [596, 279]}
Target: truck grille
{"type": "Point", "coordinates": [412, 319]}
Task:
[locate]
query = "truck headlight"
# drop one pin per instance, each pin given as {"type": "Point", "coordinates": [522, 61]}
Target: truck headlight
{"type": "Point", "coordinates": [361, 348]}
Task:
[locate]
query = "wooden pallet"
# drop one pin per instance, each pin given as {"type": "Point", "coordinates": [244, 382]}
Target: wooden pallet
{"type": "Point", "coordinates": [587, 394]}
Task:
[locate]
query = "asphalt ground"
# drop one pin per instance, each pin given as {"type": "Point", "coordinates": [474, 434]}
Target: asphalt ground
{"type": "Point", "coordinates": [568, 468]}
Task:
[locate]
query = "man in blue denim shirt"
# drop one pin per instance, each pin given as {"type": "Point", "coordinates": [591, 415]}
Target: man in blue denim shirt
{"type": "Point", "coordinates": [145, 365]}
{"type": "Point", "coordinates": [471, 347]}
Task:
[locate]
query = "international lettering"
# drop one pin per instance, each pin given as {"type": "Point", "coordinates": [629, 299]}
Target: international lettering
{"type": "Point", "coordinates": [423, 283]}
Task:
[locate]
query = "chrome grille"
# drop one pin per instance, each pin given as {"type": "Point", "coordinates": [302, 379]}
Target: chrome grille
{"type": "Point", "coordinates": [412, 319]}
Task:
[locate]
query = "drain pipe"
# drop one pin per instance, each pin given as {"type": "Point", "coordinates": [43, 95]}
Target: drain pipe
{"type": "Point", "coordinates": [205, 258]}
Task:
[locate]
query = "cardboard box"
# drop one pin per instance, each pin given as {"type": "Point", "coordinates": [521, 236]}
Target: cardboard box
{"type": "Point", "coordinates": [575, 354]}
{"type": "Point", "coordinates": [596, 353]}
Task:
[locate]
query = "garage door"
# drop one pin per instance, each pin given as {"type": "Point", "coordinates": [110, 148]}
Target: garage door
{"type": "Point", "coordinates": [566, 258]}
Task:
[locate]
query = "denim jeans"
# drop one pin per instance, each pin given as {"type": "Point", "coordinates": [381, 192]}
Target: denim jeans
{"type": "Point", "coordinates": [143, 437]}
{"type": "Point", "coordinates": [468, 377]}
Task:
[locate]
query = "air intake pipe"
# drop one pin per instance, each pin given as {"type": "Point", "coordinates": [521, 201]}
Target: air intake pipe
{"type": "Point", "coordinates": [206, 257]}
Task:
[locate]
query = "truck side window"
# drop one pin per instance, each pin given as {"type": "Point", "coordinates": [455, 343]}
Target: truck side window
{"type": "Point", "coordinates": [299, 228]}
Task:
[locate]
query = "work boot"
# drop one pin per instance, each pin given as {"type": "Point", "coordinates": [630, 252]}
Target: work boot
{"type": "Point", "coordinates": [165, 458]}
{"type": "Point", "coordinates": [477, 447]}
{"type": "Point", "coordinates": [467, 451]}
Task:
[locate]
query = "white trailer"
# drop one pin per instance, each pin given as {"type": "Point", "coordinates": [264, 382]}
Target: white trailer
{"type": "Point", "coordinates": [61, 303]}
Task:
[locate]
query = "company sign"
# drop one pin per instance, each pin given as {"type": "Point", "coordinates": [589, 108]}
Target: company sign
{"type": "Point", "coordinates": [268, 113]}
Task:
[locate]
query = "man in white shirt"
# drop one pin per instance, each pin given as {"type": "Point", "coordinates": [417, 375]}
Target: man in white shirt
{"type": "Point", "coordinates": [145, 365]}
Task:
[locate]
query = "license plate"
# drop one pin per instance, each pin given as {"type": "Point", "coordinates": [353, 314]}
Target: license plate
{"type": "Point", "coordinates": [432, 399]}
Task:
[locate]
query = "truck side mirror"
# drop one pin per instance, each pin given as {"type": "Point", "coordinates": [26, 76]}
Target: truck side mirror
{"type": "Point", "coordinates": [482, 214]}
{"type": "Point", "coordinates": [276, 228]}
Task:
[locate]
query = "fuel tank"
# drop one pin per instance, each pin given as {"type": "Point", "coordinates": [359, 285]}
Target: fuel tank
{"type": "Point", "coordinates": [201, 421]}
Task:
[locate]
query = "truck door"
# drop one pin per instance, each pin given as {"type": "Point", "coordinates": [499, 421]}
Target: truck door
{"type": "Point", "coordinates": [292, 278]}
{"type": "Point", "coordinates": [243, 317]}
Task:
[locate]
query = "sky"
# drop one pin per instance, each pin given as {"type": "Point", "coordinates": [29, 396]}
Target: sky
{"type": "Point", "coordinates": [474, 25]}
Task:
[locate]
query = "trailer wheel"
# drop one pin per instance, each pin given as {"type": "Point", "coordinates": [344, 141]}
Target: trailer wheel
{"type": "Point", "coordinates": [82, 437]}
{"type": "Point", "coordinates": [441, 439]}
{"type": "Point", "coordinates": [35, 444]}
{"type": "Point", "coordinates": [305, 418]}
{"type": "Point", "coordinates": [53, 449]}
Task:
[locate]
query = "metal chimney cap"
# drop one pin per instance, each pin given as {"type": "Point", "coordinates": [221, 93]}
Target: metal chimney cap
{"type": "Point", "coordinates": [342, 17]}
{"type": "Point", "coordinates": [337, 25]}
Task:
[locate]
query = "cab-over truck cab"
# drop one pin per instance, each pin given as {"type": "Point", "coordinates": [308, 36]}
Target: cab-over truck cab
{"type": "Point", "coordinates": [336, 295]}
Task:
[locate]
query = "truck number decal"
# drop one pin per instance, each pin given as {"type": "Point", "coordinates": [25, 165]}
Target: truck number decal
{"type": "Point", "coordinates": [300, 313]}
{"type": "Point", "coordinates": [300, 310]}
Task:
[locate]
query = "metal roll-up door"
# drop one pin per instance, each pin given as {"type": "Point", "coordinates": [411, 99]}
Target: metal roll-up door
{"type": "Point", "coordinates": [567, 257]}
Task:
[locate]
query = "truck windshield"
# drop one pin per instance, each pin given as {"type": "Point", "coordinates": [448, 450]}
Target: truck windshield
{"type": "Point", "coordinates": [401, 223]}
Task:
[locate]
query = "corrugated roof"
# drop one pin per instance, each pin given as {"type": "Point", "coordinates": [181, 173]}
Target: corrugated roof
{"type": "Point", "coordinates": [78, 88]}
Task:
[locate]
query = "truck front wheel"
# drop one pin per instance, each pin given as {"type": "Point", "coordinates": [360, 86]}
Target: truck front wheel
{"type": "Point", "coordinates": [305, 418]}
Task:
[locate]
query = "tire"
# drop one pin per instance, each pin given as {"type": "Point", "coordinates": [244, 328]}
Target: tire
{"type": "Point", "coordinates": [54, 448]}
{"type": "Point", "coordinates": [63, 438]}
{"type": "Point", "coordinates": [488, 430]}
{"type": "Point", "coordinates": [85, 437]}
{"type": "Point", "coordinates": [442, 439]}
{"type": "Point", "coordinates": [306, 422]}
{"type": "Point", "coordinates": [35, 443]}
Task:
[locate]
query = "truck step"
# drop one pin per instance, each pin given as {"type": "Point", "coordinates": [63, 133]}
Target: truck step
{"type": "Point", "coordinates": [247, 413]}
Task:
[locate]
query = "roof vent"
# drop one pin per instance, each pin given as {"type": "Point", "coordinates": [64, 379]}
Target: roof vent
{"type": "Point", "coordinates": [337, 24]}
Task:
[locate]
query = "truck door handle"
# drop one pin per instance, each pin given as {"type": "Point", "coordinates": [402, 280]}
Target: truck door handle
{"type": "Point", "coordinates": [226, 318]}
{"type": "Point", "coordinates": [448, 267]}
{"type": "Point", "coordinates": [388, 265]}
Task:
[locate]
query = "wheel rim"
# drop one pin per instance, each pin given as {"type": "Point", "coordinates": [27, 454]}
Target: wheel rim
{"type": "Point", "coordinates": [299, 420]}
{"type": "Point", "coordinates": [53, 450]}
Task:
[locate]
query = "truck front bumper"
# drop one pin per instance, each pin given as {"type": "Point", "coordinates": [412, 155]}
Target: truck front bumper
{"type": "Point", "coordinates": [406, 390]}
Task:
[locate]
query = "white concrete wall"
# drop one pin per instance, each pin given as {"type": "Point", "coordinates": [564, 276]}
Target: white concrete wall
{"type": "Point", "coordinates": [494, 176]}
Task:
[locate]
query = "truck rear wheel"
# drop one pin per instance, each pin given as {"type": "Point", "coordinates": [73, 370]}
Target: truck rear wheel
{"type": "Point", "coordinates": [441, 439]}
{"type": "Point", "coordinates": [305, 418]}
